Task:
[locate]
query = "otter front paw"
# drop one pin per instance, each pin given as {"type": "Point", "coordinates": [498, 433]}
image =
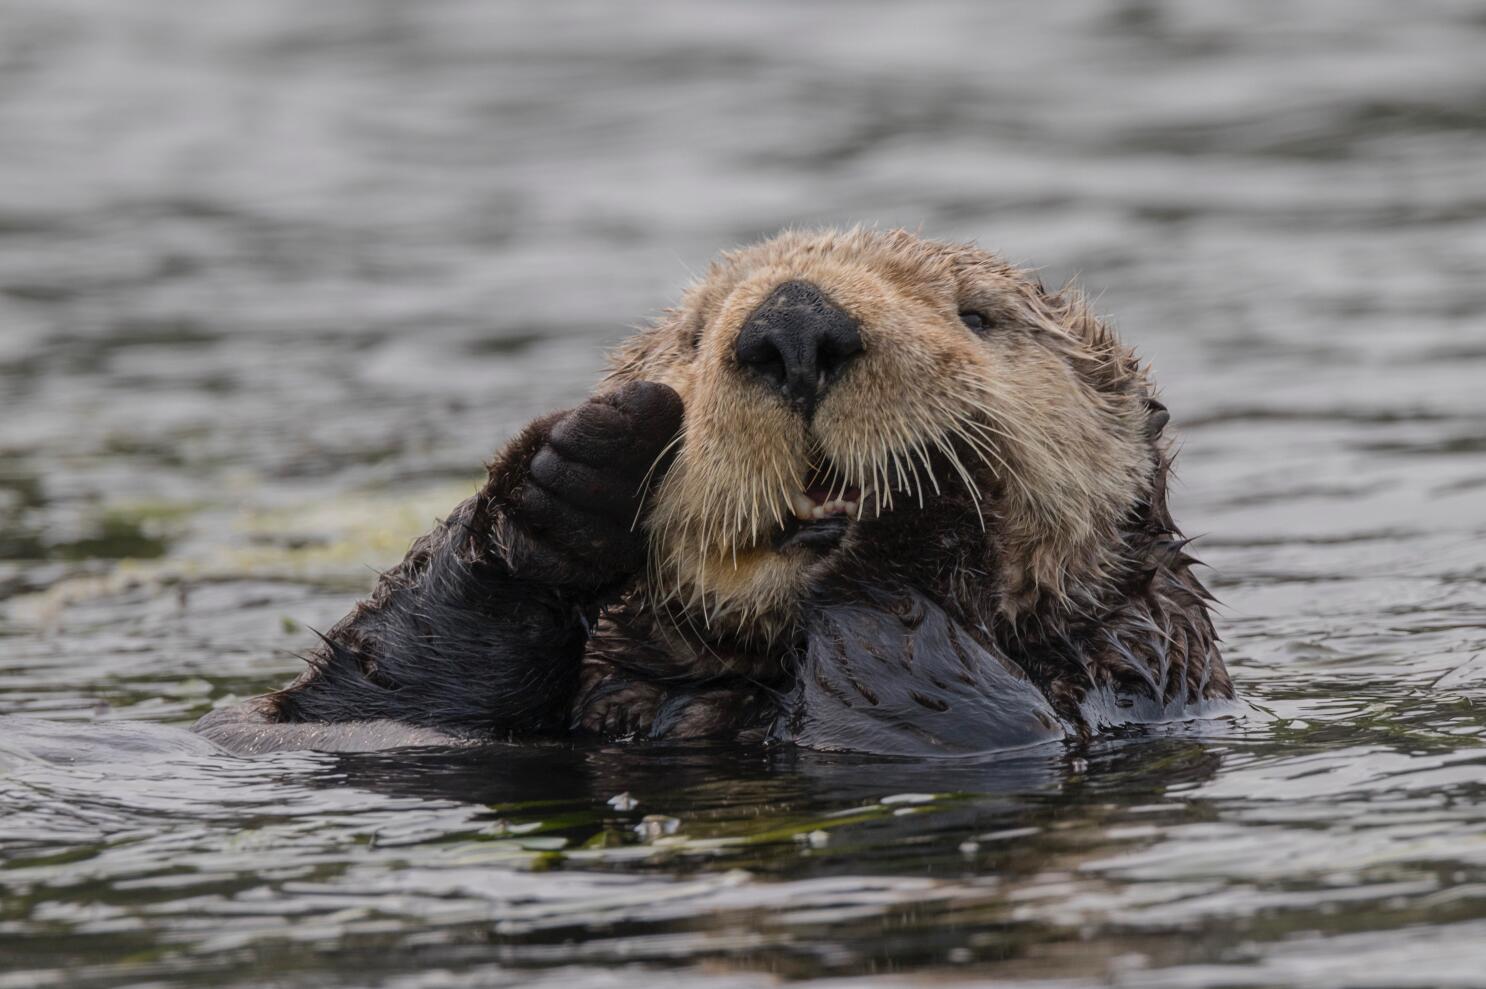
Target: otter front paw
{"type": "Point", "coordinates": [577, 508]}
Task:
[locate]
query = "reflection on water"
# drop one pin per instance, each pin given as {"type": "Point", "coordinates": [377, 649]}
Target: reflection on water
{"type": "Point", "coordinates": [274, 280]}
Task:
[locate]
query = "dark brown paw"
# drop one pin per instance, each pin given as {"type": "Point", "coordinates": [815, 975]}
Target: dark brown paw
{"type": "Point", "coordinates": [622, 713]}
{"type": "Point", "coordinates": [580, 502]}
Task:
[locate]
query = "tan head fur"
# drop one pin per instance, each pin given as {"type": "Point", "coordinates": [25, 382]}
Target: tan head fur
{"type": "Point", "coordinates": [1042, 418]}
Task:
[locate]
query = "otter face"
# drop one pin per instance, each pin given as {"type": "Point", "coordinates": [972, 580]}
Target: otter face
{"type": "Point", "coordinates": [882, 402]}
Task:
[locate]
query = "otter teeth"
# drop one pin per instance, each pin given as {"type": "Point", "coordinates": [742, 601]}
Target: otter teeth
{"type": "Point", "coordinates": [833, 508]}
{"type": "Point", "coordinates": [806, 509]}
{"type": "Point", "coordinates": [802, 504]}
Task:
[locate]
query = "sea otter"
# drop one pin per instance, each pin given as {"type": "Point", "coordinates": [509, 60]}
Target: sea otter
{"type": "Point", "coordinates": [858, 491]}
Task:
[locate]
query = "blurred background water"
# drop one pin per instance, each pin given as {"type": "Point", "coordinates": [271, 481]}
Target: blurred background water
{"type": "Point", "coordinates": [276, 277]}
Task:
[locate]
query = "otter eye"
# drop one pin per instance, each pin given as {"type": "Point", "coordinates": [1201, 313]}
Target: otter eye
{"type": "Point", "coordinates": [975, 321]}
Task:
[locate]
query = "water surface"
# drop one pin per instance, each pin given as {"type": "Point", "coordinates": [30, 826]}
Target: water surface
{"type": "Point", "coordinates": [276, 277]}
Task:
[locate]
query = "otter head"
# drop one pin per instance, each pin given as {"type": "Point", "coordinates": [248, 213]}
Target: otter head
{"type": "Point", "coordinates": [878, 406]}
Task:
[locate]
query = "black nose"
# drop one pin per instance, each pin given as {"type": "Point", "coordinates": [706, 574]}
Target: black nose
{"type": "Point", "coordinates": [799, 341]}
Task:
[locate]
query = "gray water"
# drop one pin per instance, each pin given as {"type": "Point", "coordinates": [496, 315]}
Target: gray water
{"type": "Point", "coordinates": [276, 276]}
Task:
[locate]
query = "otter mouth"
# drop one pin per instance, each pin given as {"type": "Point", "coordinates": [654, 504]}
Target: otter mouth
{"type": "Point", "coordinates": [824, 509]}
{"type": "Point", "coordinates": [821, 501]}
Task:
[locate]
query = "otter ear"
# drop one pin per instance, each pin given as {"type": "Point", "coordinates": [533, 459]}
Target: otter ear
{"type": "Point", "coordinates": [1157, 417]}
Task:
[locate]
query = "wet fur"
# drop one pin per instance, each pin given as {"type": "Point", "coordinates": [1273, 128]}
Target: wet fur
{"type": "Point", "coordinates": [450, 639]}
{"type": "Point", "coordinates": [1023, 520]}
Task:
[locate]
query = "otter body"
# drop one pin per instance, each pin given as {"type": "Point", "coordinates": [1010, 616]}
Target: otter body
{"type": "Point", "coordinates": [859, 491]}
